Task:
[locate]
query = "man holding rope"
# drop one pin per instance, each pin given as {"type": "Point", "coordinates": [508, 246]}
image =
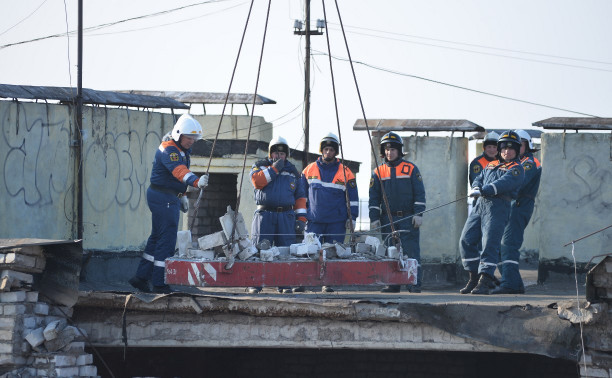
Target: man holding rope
{"type": "Point", "coordinates": [405, 191]}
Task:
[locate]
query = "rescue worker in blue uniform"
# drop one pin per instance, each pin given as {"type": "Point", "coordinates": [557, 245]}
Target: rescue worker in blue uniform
{"type": "Point", "coordinates": [326, 183]}
{"type": "Point", "coordinates": [520, 214]}
{"type": "Point", "coordinates": [405, 192]}
{"type": "Point", "coordinates": [170, 178]}
{"type": "Point", "coordinates": [489, 152]}
{"type": "Point", "coordinates": [280, 199]}
{"type": "Point", "coordinates": [496, 187]}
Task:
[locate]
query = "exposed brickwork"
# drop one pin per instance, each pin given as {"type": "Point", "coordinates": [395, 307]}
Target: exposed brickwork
{"type": "Point", "coordinates": [220, 192]}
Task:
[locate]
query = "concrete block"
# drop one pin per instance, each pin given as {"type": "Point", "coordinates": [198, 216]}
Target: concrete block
{"type": "Point", "coordinates": [53, 329]}
{"type": "Point", "coordinates": [31, 296]}
{"type": "Point", "coordinates": [381, 250]}
{"type": "Point", "coordinates": [17, 277]}
{"type": "Point", "coordinates": [201, 255]}
{"type": "Point", "coordinates": [593, 372]}
{"type": "Point", "coordinates": [342, 251]}
{"type": "Point", "coordinates": [183, 242]}
{"type": "Point", "coordinates": [67, 371]}
{"type": "Point", "coordinates": [392, 252]}
{"type": "Point", "coordinates": [30, 322]}
{"type": "Point", "coordinates": [32, 250]}
{"type": "Point", "coordinates": [247, 252]}
{"type": "Point", "coordinates": [234, 250]}
{"type": "Point", "coordinates": [13, 296]}
{"type": "Point", "coordinates": [84, 359]}
{"type": "Point", "coordinates": [88, 371]}
{"type": "Point", "coordinates": [227, 223]}
{"type": "Point", "coordinates": [10, 359]}
{"type": "Point", "coordinates": [7, 322]}
{"type": "Point", "coordinates": [41, 308]}
{"type": "Point", "coordinates": [7, 348]}
{"type": "Point", "coordinates": [42, 373]}
{"type": "Point", "coordinates": [65, 360]}
{"type": "Point", "coordinates": [330, 250]}
{"type": "Point", "coordinates": [13, 309]}
{"type": "Point", "coordinates": [269, 254]}
{"type": "Point", "coordinates": [6, 335]}
{"type": "Point", "coordinates": [36, 337]}
{"type": "Point", "coordinates": [305, 249]}
{"type": "Point", "coordinates": [283, 251]}
{"type": "Point", "coordinates": [363, 248]}
{"type": "Point", "coordinates": [66, 336]}
{"type": "Point", "coordinates": [211, 241]}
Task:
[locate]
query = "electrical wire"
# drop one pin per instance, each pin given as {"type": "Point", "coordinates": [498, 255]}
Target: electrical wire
{"type": "Point", "coordinates": [456, 86]}
{"type": "Point", "coordinates": [492, 54]}
{"type": "Point", "coordinates": [25, 18]}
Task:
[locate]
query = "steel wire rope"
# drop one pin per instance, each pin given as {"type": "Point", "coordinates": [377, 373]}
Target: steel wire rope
{"type": "Point", "coordinates": [457, 86]}
{"type": "Point", "coordinates": [384, 194]}
{"type": "Point", "coordinates": [212, 149]}
{"type": "Point", "coordinates": [246, 145]}
{"type": "Point", "coordinates": [333, 83]}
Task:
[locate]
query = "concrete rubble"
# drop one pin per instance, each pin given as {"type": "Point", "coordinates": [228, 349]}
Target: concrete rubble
{"type": "Point", "coordinates": [35, 338]}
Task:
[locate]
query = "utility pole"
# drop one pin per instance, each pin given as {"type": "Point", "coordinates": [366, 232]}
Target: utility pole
{"type": "Point", "coordinates": [79, 124]}
{"type": "Point", "coordinates": [297, 30]}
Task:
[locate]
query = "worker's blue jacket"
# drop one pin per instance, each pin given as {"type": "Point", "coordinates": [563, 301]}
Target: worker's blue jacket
{"type": "Point", "coordinates": [278, 189]}
{"type": "Point", "coordinates": [477, 165]}
{"type": "Point", "coordinates": [325, 186]}
{"type": "Point", "coordinates": [501, 180]}
{"type": "Point", "coordinates": [404, 188]}
{"type": "Point", "coordinates": [171, 168]}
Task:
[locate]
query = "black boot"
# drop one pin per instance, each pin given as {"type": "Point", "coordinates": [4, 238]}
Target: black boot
{"type": "Point", "coordinates": [485, 284]}
{"type": "Point", "coordinates": [471, 283]}
{"type": "Point", "coordinates": [140, 284]}
{"type": "Point", "coordinates": [391, 289]}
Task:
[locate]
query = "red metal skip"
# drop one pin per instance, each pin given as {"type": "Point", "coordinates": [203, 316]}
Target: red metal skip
{"type": "Point", "coordinates": [290, 273]}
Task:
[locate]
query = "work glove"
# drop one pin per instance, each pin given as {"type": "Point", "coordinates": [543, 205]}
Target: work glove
{"type": "Point", "coordinates": [300, 226]}
{"type": "Point", "coordinates": [203, 182]}
{"type": "Point", "coordinates": [475, 192]}
{"type": "Point", "coordinates": [279, 164]}
{"type": "Point", "coordinates": [375, 225]}
{"type": "Point", "coordinates": [184, 204]}
{"type": "Point", "coordinates": [417, 221]}
{"type": "Point", "coordinates": [350, 222]}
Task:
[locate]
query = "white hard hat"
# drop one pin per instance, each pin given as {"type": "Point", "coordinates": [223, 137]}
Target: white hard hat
{"type": "Point", "coordinates": [278, 144]}
{"type": "Point", "coordinates": [330, 140]}
{"type": "Point", "coordinates": [186, 125]}
{"type": "Point", "coordinates": [525, 136]}
{"type": "Point", "coordinates": [490, 138]}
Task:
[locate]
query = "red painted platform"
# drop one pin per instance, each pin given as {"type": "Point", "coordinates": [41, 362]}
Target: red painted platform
{"type": "Point", "coordinates": [290, 273]}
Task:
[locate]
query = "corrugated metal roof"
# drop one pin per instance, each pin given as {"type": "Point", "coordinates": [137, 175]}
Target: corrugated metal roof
{"type": "Point", "coordinates": [532, 133]}
{"type": "Point", "coordinates": [575, 123]}
{"type": "Point", "coordinates": [90, 96]}
{"type": "Point", "coordinates": [419, 125]}
{"type": "Point", "coordinates": [207, 97]}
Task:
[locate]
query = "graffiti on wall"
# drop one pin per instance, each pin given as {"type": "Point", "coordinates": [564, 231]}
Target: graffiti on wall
{"type": "Point", "coordinates": [35, 152]}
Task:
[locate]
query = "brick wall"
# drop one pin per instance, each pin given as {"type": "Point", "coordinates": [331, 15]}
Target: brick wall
{"type": "Point", "coordinates": [220, 193]}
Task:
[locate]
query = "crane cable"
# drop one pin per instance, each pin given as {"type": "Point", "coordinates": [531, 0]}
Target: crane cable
{"type": "Point", "coordinates": [331, 70]}
{"type": "Point", "coordinates": [197, 204]}
{"type": "Point", "coordinates": [384, 194]}
{"type": "Point", "coordinates": [246, 146]}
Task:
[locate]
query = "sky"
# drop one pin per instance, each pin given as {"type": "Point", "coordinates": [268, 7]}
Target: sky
{"type": "Point", "coordinates": [413, 59]}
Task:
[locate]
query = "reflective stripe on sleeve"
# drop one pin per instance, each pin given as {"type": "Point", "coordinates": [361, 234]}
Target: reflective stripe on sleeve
{"type": "Point", "coordinates": [161, 264]}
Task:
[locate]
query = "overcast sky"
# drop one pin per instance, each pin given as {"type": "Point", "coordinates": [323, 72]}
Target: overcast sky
{"type": "Point", "coordinates": [554, 53]}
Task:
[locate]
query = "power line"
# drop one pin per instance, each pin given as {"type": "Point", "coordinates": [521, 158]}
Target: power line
{"type": "Point", "coordinates": [457, 86]}
{"type": "Point", "coordinates": [486, 53]}
{"type": "Point", "coordinates": [477, 45]}
{"type": "Point", "coordinates": [25, 18]}
{"type": "Point", "coordinates": [109, 24]}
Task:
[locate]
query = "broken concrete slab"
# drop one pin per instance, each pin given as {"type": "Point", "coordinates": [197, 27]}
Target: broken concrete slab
{"type": "Point", "coordinates": [381, 250]}
{"type": "Point", "coordinates": [227, 222]}
{"type": "Point", "coordinates": [269, 254]}
{"type": "Point", "coordinates": [363, 248]}
{"type": "Point", "coordinates": [211, 241]}
{"type": "Point", "coordinates": [183, 241]}
{"type": "Point", "coordinates": [199, 254]}
{"type": "Point", "coordinates": [342, 251]}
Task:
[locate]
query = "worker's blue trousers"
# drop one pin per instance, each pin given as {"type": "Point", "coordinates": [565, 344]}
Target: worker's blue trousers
{"type": "Point", "coordinates": [277, 227]}
{"type": "Point", "coordinates": [485, 223]}
{"type": "Point", "coordinates": [520, 213]}
{"type": "Point", "coordinates": [165, 210]}
{"type": "Point", "coordinates": [328, 232]}
{"type": "Point", "coordinates": [409, 238]}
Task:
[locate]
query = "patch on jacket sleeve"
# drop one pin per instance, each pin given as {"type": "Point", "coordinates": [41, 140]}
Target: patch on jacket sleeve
{"type": "Point", "coordinates": [174, 156]}
{"type": "Point", "coordinates": [515, 172]}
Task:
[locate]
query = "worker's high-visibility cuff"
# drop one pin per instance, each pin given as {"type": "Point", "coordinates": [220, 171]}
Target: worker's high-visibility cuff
{"type": "Point", "coordinates": [147, 257]}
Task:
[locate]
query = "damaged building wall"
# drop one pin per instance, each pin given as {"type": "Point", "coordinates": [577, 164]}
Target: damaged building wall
{"type": "Point", "coordinates": [37, 173]}
{"type": "Point", "coordinates": [576, 193]}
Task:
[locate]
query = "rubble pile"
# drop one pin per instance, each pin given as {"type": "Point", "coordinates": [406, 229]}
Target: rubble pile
{"type": "Point", "coordinates": [35, 338]}
{"type": "Point", "coordinates": [217, 246]}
